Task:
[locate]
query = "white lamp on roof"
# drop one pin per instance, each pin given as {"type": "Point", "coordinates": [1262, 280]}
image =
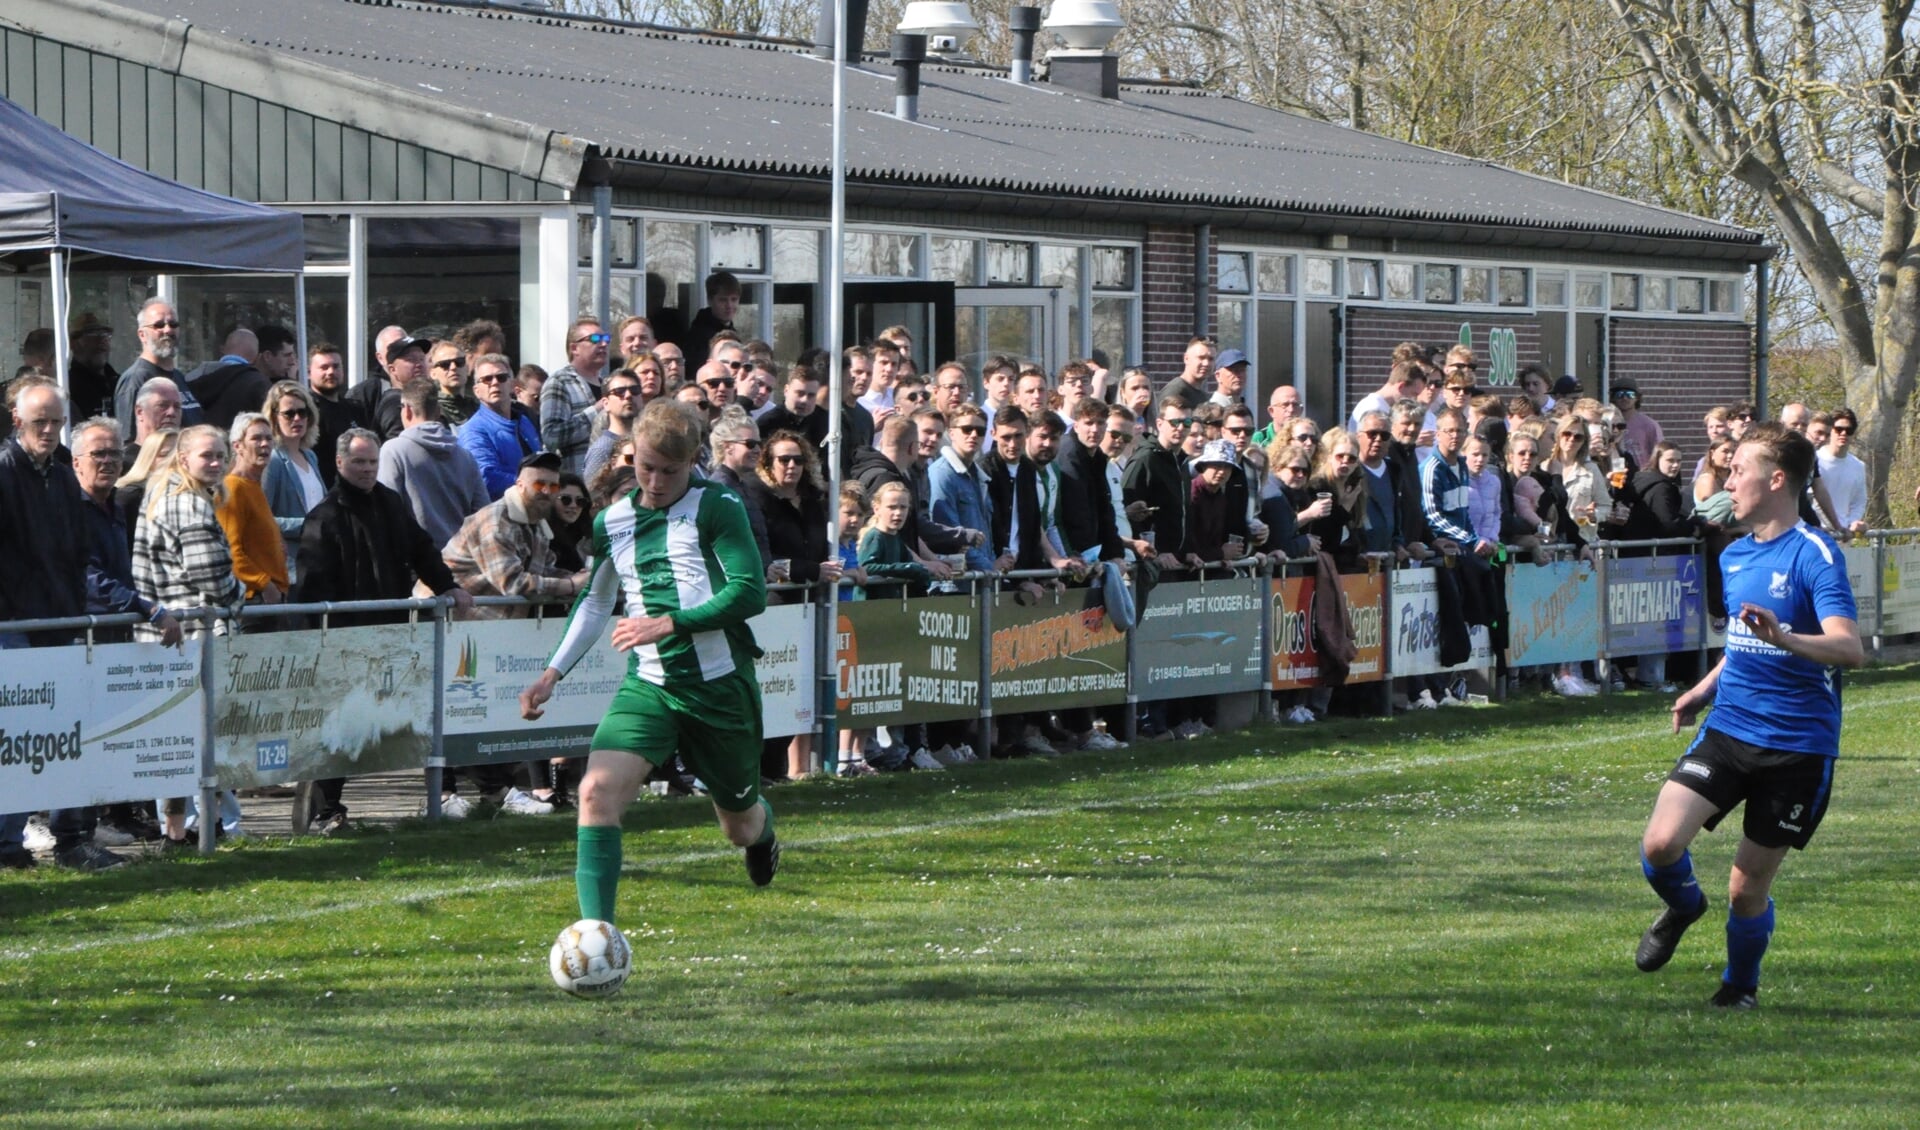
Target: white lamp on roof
{"type": "Point", "coordinates": [947, 26]}
{"type": "Point", "coordinates": [1084, 25]}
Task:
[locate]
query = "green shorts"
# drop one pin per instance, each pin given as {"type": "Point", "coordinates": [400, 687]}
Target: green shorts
{"type": "Point", "coordinates": [714, 726]}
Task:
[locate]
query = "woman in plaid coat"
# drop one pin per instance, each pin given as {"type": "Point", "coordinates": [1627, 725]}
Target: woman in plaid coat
{"type": "Point", "coordinates": [181, 559]}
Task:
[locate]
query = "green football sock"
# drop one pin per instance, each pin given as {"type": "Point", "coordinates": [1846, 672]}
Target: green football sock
{"type": "Point", "coordinates": [766, 832]}
{"type": "Point", "coordinates": [596, 873]}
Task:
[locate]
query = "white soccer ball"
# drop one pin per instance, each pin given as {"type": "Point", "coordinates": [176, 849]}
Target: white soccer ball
{"type": "Point", "coordinates": [591, 959]}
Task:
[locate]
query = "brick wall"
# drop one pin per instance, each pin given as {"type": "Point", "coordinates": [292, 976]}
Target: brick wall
{"type": "Point", "coordinates": [1372, 334]}
{"type": "Point", "coordinates": [1167, 298]}
{"type": "Point", "coordinates": [1683, 370]}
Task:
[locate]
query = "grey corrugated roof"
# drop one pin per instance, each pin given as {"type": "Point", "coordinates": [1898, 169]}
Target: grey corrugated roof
{"type": "Point", "coordinates": [677, 100]}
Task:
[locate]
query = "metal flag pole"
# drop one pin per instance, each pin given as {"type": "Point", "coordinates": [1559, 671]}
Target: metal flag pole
{"type": "Point", "coordinates": [828, 631]}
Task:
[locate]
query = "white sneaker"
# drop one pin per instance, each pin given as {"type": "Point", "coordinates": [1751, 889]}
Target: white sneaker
{"type": "Point", "coordinates": [106, 835]}
{"type": "Point", "coordinates": [921, 759]}
{"type": "Point", "coordinates": [1425, 701]}
{"type": "Point", "coordinates": [1101, 740]}
{"type": "Point", "coordinates": [37, 836]}
{"type": "Point", "coordinates": [523, 804]}
{"type": "Point", "coordinates": [1302, 715]}
{"type": "Point", "coordinates": [965, 753]}
{"type": "Point", "coordinates": [453, 806]}
{"type": "Point", "coordinates": [946, 756]}
{"type": "Point", "coordinates": [1582, 688]}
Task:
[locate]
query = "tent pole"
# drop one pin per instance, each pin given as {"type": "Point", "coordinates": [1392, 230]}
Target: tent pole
{"type": "Point", "coordinates": [62, 348]}
{"type": "Point", "coordinates": [300, 323]}
{"type": "Point", "coordinates": [829, 625]}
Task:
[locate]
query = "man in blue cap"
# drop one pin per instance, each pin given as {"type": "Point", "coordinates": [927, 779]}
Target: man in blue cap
{"type": "Point", "coordinates": [1230, 379]}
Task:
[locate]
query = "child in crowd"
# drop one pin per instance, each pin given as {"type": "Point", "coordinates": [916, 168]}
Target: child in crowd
{"type": "Point", "coordinates": [853, 517]}
{"type": "Point", "coordinates": [1484, 490]}
{"type": "Point", "coordinates": [883, 554]}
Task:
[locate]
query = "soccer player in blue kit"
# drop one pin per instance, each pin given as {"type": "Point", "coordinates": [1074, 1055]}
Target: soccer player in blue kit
{"type": "Point", "coordinates": [1774, 732]}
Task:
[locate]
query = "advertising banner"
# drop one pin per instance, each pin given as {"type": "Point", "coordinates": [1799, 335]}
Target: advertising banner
{"type": "Point", "coordinates": [1414, 625]}
{"type": "Point", "coordinates": [1295, 660]}
{"type": "Point", "coordinates": [917, 661]}
{"type": "Point", "coordinates": [82, 726]}
{"type": "Point", "coordinates": [1860, 566]}
{"type": "Point", "coordinates": [1654, 605]}
{"type": "Point", "coordinates": [489, 662]}
{"type": "Point", "coordinates": [1198, 638]}
{"type": "Point", "coordinates": [1057, 653]}
{"type": "Point", "coordinates": [1553, 611]}
{"type": "Point", "coordinates": [787, 668]}
{"type": "Point", "coordinates": [344, 702]}
{"type": "Point", "coordinates": [1900, 598]}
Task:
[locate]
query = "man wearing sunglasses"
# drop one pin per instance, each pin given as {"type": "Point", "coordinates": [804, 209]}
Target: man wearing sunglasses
{"type": "Point", "coordinates": [1641, 433]}
{"type": "Point", "coordinates": [1844, 474]}
{"type": "Point", "coordinates": [735, 440]}
{"type": "Point", "coordinates": [1157, 481]}
{"type": "Point", "coordinates": [572, 393]}
{"type": "Point", "coordinates": [159, 330]}
{"type": "Point", "coordinates": [721, 376]}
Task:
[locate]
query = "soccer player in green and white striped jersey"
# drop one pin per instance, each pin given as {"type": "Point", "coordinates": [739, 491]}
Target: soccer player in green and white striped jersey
{"type": "Point", "coordinates": [681, 549]}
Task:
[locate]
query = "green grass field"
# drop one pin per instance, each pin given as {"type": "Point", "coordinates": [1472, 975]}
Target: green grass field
{"type": "Point", "coordinates": [1425, 922]}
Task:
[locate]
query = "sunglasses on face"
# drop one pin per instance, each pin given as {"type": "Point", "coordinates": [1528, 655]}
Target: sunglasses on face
{"type": "Point", "coordinates": [915, 398]}
{"type": "Point", "coordinates": [491, 378]}
{"type": "Point", "coordinates": [544, 488]}
{"type": "Point", "coordinates": [1295, 470]}
{"type": "Point", "coordinates": [718, 382]}
{"type": "Point", "coordinates": [169, 324]}
{"type": "Point", "coordinates": [788, 460]}
{"type": "Point", "coordinates": [295, 414]}
{"type": "Point", "coordinates": [593, 339]}
{"type": "Point", "coordinates": [624, 391]}
{"type": "Point", "coordinates": [1842, 429]}
{"type": "Point", "coordinates": [749, 444]}
{"type": "Point", "coordinates": [1176, 421]}
{"type": "Point", "coordinates": [970, 429]}
{"type": "Point", "coordinates": [737, 365]}
{"type": "Point", "coordinates": [449, 363]}
{"type": "Point", "coordinates": [1376, 433]}
{"type": "Point", "coordinates": [571, 500]}
{"type": "Point", "coordinates": [1238, 431]}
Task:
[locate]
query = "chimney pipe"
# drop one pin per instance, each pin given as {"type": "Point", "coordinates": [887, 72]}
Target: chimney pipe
{"type": "Point", "coordinates": [856, 30]}
{"type": "Point", "coordinates": [1024, 22]}
{"type": "Point", "coordinates": [908, 51]}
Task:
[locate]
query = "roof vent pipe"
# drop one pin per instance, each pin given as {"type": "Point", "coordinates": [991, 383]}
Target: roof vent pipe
{"type": "Point", "coordinates": [856, 30]}
{"type": "Point", "coordinates": [1024, 22]}
{"type": "Point", "coordinates": [909, 51]}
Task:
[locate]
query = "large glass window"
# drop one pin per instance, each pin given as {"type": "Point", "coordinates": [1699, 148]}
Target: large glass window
{"type": "Point", "coordinates": [433, 275]}
{"type": "Point", "coordinates": [1233, 274]}
{"type": "Point", "coordinates": [1363, 278]}
{"type": "Point", "coordinates": [1689, 295]}
{"type": "Point", "coordinates": [1550, 289]}
{"type": "Point", "coordinates": [1403, 282]}
{"type": "Point", "coordinates": [1442, 283]}
{"type": "Point", "coordinates": [1513, 286]}
{"type": "Point", "coordinates": [1112, 268]}
{"type": "Point", "coordinates": [1323, 277]}
{"type": "Point", "coordinates": [1590, 290]}
{"type": "Point", "coordinates": [1009, 263]}
{"type": "Point", "coordinates": [1113, 332]}
{"type": "Point", "coordinates": [737, 247]}
{"type": "Point", "coordinates": [1625, 292]}
{"type": "Point", "coordinates": [1276, 275]}
{"type": "Point", "coordinates": [953, 260]}
{"type": "Point", "coordinates": [674, 293]}
{"type": "Point", "coordinates": [1476, 285]}
{"type": "Point", "coordinates": [1060, 267]}
{"type": "Point", "coordinates": [1724, 296]}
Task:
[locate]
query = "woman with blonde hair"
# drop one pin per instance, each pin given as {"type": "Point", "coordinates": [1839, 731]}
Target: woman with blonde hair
{"type": "Point", "coordinates": [259, 554]}
{"type": "Point", "coordinates": [130, 489]}
{"type": "Point", "coordinates": [181, 559]}
{"type": "Point", "coordinates": [292, 480]}
{"type": "Point", "coordinates": [1584, 483]}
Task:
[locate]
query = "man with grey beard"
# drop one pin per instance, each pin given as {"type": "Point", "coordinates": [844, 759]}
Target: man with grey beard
{"type": "Point", "coordinates": [159, 351]}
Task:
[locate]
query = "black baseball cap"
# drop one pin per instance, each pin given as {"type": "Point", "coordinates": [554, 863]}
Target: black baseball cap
{"type": "Point", "coordinates": [543, 461]}
{"type": "Point", "coordinates": [400, 347]}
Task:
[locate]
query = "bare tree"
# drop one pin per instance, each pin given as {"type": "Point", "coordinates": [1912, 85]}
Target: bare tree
{"type": "Point", "coordinates": [1816, 111]}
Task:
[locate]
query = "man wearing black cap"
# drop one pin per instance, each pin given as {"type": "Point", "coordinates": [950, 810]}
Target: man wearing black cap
{"type": "Point", "coordinates": [406, 361]}
{"type": "Point", "coordinates": [505, 550]}
{"type": "Point", "coordinates": [91, 378]}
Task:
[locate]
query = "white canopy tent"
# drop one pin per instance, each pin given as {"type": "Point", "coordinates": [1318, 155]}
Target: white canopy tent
{"type": "Point", "coordinates": [65, 205]}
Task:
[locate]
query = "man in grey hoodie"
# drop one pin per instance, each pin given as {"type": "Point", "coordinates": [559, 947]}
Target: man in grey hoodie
{"type": "Point", "coordinates": [426, 465]}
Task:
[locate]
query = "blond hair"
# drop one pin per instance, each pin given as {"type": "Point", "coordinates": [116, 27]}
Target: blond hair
{"type": "Point", "coordinates": [177, 479]}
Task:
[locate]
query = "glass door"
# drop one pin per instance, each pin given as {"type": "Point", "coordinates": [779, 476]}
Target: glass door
{"type": "Point", "coordinates": [1024, 323]}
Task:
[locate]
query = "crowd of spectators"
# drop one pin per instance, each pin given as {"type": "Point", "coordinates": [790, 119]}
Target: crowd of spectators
{"type": "Point", "coordinates": [452, 471]}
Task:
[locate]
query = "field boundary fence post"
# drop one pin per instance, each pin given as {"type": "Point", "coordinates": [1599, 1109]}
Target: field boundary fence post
{"type": "Point", "coordinates": [436, 775]}
{"type": "Point", "coordinates": [1603, 667]}
{"type": "Point", "coordinates": [209, 814]}
{"type": "Point", "coordinates": [984, 595]}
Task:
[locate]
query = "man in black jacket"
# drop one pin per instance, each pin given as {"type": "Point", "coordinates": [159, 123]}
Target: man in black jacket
{"type": "Point", "coordinates": [233, 384]}
{"type": "Point", "coordinates": [362, 543]}
{"type": "Point", "coordinates": [1086, 505]}
{"type": "Point", "coordinates": [43, 575]}
{"type": "Point", "coordinates": [1158, 479]}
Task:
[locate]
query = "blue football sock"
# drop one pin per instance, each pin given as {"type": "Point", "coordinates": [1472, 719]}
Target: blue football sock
{"type": "Point", "coordinates": [1674, 883]}
{"type": "Point", "coordinates": [1746, 944]}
